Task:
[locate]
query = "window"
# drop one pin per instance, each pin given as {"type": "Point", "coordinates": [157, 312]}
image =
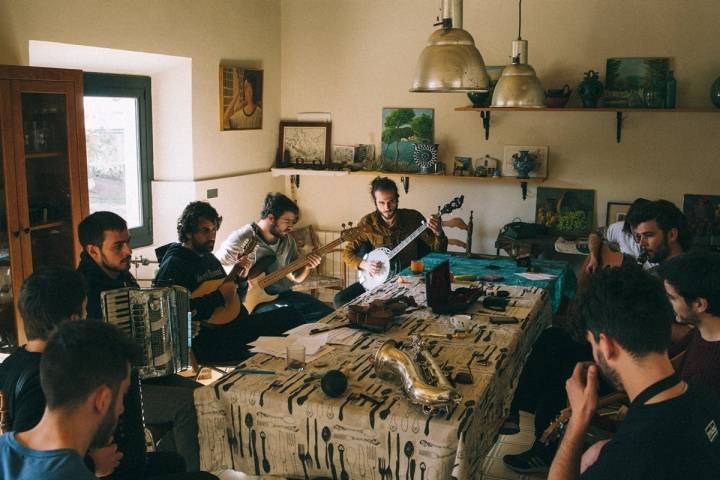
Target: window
{"type": "Point", "coordinates": [118, 132]}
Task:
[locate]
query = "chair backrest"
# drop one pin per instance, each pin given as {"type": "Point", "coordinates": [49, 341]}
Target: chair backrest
{"type": "Point", "coordinates": [4, 416]}
{"type": "Point", "coordinates": [457, 222]}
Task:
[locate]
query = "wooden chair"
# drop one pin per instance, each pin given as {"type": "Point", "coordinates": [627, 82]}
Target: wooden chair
{"type": "Point", "coordinates": [459, 223]}
{"type": "Point", "coordinates": [326, 275]}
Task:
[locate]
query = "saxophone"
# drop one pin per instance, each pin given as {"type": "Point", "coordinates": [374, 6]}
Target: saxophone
{"type": "Point", "coordinates": [391, 363]}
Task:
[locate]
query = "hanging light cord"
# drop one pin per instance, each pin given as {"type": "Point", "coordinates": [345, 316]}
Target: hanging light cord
{"type": "Point", "coordinates": [519, 18]}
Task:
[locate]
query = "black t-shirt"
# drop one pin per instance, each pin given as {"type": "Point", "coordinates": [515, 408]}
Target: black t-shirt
{"type": "Point", "coordinates": [675, 439]}
{"type": "Point", "coordinates": [20, 381]}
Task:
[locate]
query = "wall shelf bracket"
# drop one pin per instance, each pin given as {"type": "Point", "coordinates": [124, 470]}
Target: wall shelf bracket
{"type": "Point", "coordinates": [486, 123]}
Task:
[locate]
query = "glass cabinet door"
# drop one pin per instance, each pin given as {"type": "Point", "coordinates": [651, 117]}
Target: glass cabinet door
{"type": "Point", "coordinates": [48, 206]}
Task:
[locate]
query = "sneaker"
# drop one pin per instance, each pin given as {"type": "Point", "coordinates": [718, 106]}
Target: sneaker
{"type": "Point", "coordinates": [511, 425]}
{"type": "Point", "coordinates": [535, 460]}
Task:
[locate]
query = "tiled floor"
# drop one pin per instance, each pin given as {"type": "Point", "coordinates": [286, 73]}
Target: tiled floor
{"type": "Point", "coordinates": [495, 469]}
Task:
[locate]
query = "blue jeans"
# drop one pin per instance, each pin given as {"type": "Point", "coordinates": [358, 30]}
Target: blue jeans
{"type": "Point", "coordinates": [310, 307]}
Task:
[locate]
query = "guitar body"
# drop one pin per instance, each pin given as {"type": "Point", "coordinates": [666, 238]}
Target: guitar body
{"type": "Point", "coordinates": [608, 258]}
{"type": "Point", "coordinates": [382, 255]}
{"type": "Point", "coordinates": [256, 294]}
{"type": "Point", "coordinates": [223, 314]}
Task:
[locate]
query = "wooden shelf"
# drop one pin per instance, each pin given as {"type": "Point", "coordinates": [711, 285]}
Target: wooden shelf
{"type": "Point", "coordinates": [46, 226]}
{"type": "Point", "coordinates": [619, 113]}
{"type": "Point", "coordinates": [589, 110]}
{"type": "Point", "coordinates": [44, 154]}
{"type": "Point", "coordinates": [277, 172]}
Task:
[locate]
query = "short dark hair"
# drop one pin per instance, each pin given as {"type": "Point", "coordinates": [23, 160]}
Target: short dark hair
{"type": "Point", "coordinates": [91, 231]}
{"type": "Point", "coordinates": [190, 218]}
{"type": "Point", "coordinates": [277, 204]}
{"type": "Point", "coordinates": [383, 184]}
{"type": "Point", "coordinates": [632, 213]}
{"type": "Point", "coordinates": [628, 305]}
{"type": "Point", "coordinates": [82, 356]}
{"type": "Point", "coordinates": [49, 296]}
{"type": "Point", "coordinates": [695, 275]}
{"type": "Point", "coordinates": [252, 78]}
{"type": "Point", "coordinates": [667, 216]}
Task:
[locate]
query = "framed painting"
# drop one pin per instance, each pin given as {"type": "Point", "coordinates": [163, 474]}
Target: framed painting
{"type": "Point", "coordinates": [616, 212]}
{"type": "Point", "coordinates": [703, 216]}
{"type": "Point", "coordinates": [241, 104]}
{"type": "Point", "coordinates": [402, 128]}
{"type": "Point", "coordinates": [565, 210]}
{"type": "Point", "coordinates": [636, 82]}
{"type": "Point", "coordinates": [305, 144]}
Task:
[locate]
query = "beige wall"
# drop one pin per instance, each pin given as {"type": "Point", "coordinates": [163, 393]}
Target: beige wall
{"type": "Point", "coordinates": [207, 32]}
{"type": "Point", "coordinates": [352, 58]}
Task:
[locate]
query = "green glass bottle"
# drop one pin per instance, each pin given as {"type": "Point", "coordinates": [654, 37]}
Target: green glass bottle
{"type": "Point", "coordinates": [670, 90]}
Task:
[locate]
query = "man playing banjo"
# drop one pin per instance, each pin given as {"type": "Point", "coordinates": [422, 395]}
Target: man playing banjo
{"type": "Point", "coordinates": [388, 226]}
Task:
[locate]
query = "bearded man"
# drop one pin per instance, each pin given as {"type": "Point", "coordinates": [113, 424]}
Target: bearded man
{"type": "Point", "coordinates": [388, 226]}
{"type": "Point", "coordinates": [277, 249]}
{"type": "Point", "coordinates": [189, 263]}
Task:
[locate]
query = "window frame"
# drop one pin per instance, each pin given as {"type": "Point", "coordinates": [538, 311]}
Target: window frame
{"type": "Point", "coordinates": [138, 87]}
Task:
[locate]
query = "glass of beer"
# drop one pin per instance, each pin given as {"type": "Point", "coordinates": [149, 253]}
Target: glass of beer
{"type": "Point", "coordinates": [417, 266]}
{"type": "Point", "coordinates": [295, 357]}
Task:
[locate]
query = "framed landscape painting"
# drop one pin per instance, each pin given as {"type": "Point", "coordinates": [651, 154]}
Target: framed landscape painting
{"type": "Point", "coordinates": [401, 129]}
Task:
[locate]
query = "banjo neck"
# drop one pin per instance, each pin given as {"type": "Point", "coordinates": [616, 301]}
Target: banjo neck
{"type": "Point", "coordinates": [400, 246]}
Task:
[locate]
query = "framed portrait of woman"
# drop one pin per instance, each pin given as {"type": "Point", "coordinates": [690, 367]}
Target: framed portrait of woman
{"type": "Point", "coordinates": [241, 105]}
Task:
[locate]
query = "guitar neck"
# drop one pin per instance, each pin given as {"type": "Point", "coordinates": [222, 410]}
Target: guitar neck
{"type": "Point", "coordinates": [408, 240]}
{"type": "Point", "coordinates": [297, 264]}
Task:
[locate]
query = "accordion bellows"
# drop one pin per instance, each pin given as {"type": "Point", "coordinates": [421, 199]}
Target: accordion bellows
{"type": "Point", "coordinates": [158, 320]}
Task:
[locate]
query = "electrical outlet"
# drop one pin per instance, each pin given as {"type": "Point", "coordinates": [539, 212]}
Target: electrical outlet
{"type": "Point", "coordinates": [541, 169]}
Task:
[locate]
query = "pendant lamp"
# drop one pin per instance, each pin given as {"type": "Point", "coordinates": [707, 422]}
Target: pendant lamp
{"type": "Point", "coordinates": [450, 62]}
{"type": "Point", "coordinates": [518, 85]}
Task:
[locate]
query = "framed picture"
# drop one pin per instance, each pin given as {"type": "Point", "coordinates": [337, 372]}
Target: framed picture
{"type": "Point", "coordinates": [636, 82]}
{"type": "Point", "coordinates": [565, 210]}
{"type": "Point", "coordinates": [616, 212]}
{"type": "Point", "coordinates": [463, 166]}
{"type": "Point", "coordinates": [401, 129]}
{"type": "Point", "coordinates": [305, 143]}
{"type": "Point", "coordinates": [703, 216]}
{"type": "Point", "coordinates": [241, 93]}
{"type": "Point", "coordinates": [541, 160]}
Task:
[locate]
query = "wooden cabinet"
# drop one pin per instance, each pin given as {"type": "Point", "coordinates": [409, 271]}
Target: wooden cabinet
{"type": "Point", "coordinates": [43, 179]}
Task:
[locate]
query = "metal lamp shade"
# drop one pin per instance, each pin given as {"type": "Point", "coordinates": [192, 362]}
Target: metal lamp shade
{"type": "Point", "coordinates": [450, 63]}
{"type": "Point", "coordinates": [518, 86]}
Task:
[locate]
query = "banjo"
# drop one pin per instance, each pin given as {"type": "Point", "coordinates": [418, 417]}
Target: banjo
{"type": "Point", "coordinates": [385, 255]}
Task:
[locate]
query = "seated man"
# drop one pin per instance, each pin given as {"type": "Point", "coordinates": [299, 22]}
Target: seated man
{"type": "Point", "coordinates": [189, 264]}
{"type": "Point", "coordinates": [48, 297]}
{"type": "Point", "coordinates": [388, 226]}
{"type": "Point", "coordinates": [85, 373]}
{"type": "Point", "coordinates": [105, 264]}
{"type": "Point", "coordinates": [670, 430]}
{"type": "Point", "coordinates": [619, 235]}
{"type": "Point", "coordinates": [277, 249]}
{"type": "Point", "coordinates": [692, 283]}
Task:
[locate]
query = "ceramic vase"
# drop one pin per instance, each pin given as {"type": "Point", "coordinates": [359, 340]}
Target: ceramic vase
{"type": "Point", "coordinates": [715, 93]}
{"type": "Point", "coordinates": [590, 89]}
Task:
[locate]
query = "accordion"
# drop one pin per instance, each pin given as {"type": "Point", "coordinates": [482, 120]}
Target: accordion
{"type": "Point", "coordinates": [158, 320]}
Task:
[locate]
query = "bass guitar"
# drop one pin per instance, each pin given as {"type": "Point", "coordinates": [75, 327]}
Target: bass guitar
{"type": "Point", "coordinates": [256, 293]}
{"type": "Point", "coordinates": [385, 255]}
{"type": "Point", "coordinates": [228, 312]}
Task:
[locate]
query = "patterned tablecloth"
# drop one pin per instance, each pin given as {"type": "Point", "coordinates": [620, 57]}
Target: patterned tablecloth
{"type": "Point", "coordinates": [563, 285]}
{"type": "Point", "coordinates": [283, 424]}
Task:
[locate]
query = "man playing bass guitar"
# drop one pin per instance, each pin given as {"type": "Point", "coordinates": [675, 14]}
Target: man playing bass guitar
{"type": "Point", "coordinates": [191, 264]}
{"type": "Point", "coordinates": [388, 226]}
